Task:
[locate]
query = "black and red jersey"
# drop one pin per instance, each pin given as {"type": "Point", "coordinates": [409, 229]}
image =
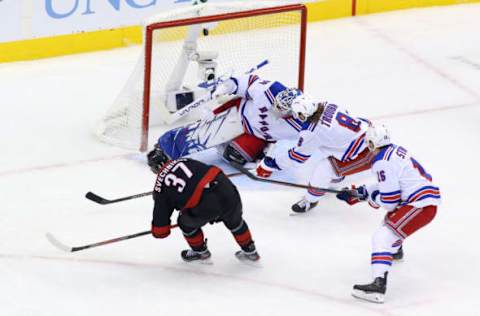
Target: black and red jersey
{"type": "Point", "coordinates": [179, 185]}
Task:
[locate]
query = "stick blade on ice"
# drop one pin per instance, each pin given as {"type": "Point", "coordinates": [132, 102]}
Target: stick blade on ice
{"type": "Point", "coordinates": [93, 197]}
{"type": "Point", "coordinates": [57, 243]}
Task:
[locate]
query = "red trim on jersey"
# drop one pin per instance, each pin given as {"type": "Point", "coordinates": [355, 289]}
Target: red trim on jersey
{"type": "Point", "coordinates": [197, 193]}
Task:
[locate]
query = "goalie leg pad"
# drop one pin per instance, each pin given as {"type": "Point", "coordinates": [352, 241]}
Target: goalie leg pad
{"type": "Point", "coordinates": [245, 147]}
{"type": "Point", "coordinates": [202, 134]}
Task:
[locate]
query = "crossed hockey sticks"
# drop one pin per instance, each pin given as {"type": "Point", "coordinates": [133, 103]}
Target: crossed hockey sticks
{"type": "Point", "coordinates": [103, 201]}
{"type": "Point", "coordinates": [289, 184]}
{"type": "Point", "coordinates": [59, 245]}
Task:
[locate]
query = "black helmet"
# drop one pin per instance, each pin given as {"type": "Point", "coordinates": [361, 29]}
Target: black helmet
{"type": "Point", "coordinates": [157, 158]}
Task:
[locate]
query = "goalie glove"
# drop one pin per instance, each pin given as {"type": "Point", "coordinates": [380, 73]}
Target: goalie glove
{"type": "Point", "coordinates": [225, 88]}
{"type": "Point", "coordinates": [266, 167]}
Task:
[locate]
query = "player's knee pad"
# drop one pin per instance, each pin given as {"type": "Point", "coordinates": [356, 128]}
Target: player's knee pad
{"type": "Point", "coordinates": [384, 239]}
{"type": "Point", "coordinates": [233, 218]}
{"type": "Point", "coordinates": [188, 223]}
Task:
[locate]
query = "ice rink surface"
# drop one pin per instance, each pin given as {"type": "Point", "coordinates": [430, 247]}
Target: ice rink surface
{"type": "Point", "coordinates": [418, 71]}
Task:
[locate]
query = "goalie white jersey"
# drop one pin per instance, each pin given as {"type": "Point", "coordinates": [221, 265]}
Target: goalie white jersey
{"type": "Point", "coordinates": [259, 118]}
{"type": "Point", "coordinates": [335, 134]}
{"type": "Point", "coordinates": [401, 180]}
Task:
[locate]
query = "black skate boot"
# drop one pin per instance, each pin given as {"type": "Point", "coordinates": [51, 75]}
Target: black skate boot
{"type": "Point", "coordinates": [201, 255]}
{"type": "Point", "coordinates": [373, 292]}
{"type": "Point", "coordinates": [398, 256]}
{"type": "Point", "coordinates": [248, 252]}
{"type": "Point", "coordinates": [303, 206]}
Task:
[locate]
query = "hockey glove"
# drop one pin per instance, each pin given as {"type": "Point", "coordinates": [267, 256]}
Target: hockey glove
{"type": "Point", "coordinates": [266, 166]}
{"type": "Point", "coordinates": [354, 195]}
{"type": "Point", "coordinates": [227, 87]}
{"type": "Point", "coordinates": [160, 232]}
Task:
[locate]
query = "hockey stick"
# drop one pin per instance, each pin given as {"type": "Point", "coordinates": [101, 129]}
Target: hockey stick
{"type": "Point", "coordinates": [55, 242]}
{"type": "Point", "coordinates": [103, 201]}
{"type": "Point", "coordinates": [290, 184]}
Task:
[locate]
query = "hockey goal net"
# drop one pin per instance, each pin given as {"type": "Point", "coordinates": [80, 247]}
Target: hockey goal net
{"type": "Point", "coordinates": [187, 50]}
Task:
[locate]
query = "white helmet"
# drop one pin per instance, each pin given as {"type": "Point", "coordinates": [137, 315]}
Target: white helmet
{"type": "Point", "coordinates": [377, 136]}
{"type": "Point", "coordinates": [283, 100]}
{"type": "Point", "coordinates": [303, 107]}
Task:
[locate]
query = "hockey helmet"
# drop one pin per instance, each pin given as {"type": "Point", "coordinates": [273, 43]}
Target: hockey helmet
{"type": "Point", "coordinates": [303, 107]}
{"type": "Point", "coordinates": [377, 136]}
{"type": "Point", "coordinates": [283, 100]}
{"type": "Point", "coordinates": [157, 158]}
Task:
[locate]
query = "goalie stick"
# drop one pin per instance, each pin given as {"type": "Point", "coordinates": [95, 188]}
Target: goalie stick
{"type": "Point", "coordinates": [103, 201]}
{"type": "Point", "coordinates": [59, 245]}
{"type": "Point", "coordinates": [290, 184]}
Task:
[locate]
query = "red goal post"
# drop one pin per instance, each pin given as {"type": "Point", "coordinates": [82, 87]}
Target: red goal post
{"type": "Point", "coordinates": [284, 52]}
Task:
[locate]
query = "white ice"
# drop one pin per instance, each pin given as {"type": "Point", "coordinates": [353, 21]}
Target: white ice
{"type": "Point", "coordinates": [416, 70]}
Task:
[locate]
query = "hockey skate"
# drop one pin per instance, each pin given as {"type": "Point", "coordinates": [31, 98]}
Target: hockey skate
{"type": "Point", "coordinates": [190, 255]}
{"type": "Point", "coordinates": [373, 292]}
{"type": "Point", "coordinates": [248, 253]}
{"type": "Point", "coordinates": [398, 256]}
{"type": "Point", "coordinates": [303, 206]}
{"type": "Point", "coordinates": [250, 256]}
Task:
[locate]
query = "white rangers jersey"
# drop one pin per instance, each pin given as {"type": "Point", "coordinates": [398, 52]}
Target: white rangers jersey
{"type": "Point", "coordinates": [258, 117]}
{"type": "Point", "coordinates": [401, 180]}
{"type": "Point", "coordinates": [335, 134]}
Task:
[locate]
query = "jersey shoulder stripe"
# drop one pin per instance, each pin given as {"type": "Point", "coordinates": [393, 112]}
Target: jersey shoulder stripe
{"type": "Point", "coordinates": [384, 154]}
{"type": "Point", "coordinates": [353, 148]}
{"type": "Point", "coordinates": [252, 79]}
{"type": "Point", "coordinates": [273, 90]}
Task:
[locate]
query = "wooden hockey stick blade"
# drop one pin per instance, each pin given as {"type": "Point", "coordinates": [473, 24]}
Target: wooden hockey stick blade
{"type": "Point", "coordinates": [290, 184]}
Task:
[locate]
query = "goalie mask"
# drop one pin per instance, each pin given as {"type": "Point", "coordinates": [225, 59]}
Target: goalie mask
{"type": "Point", "coordinates": [283, 100]}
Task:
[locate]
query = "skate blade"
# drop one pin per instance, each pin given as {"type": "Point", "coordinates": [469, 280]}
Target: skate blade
{"type": "Point", "coordinates": [207, 262]}
{"type": "Point", "coordinates": [249, 262]}
{"type": "Point", "coordinates": [298, 213]}
{"type": "Point", "coordinates": [369, 297]}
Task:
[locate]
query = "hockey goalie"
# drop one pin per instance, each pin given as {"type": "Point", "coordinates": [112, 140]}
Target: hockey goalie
{"type": "Point", "coordinates": [251, 113]}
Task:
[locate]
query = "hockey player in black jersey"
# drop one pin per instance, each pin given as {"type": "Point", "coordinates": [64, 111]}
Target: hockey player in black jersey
{"type": "Point", "coordinates": [202, 194]}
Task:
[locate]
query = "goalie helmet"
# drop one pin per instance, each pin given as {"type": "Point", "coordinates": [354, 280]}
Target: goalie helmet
{"type": "Point", "coordinates": [303, 107]}
{"type": "Point", "coordinates": [377, 136]}
{"type": "Point", "coordinates": [283, 100]}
